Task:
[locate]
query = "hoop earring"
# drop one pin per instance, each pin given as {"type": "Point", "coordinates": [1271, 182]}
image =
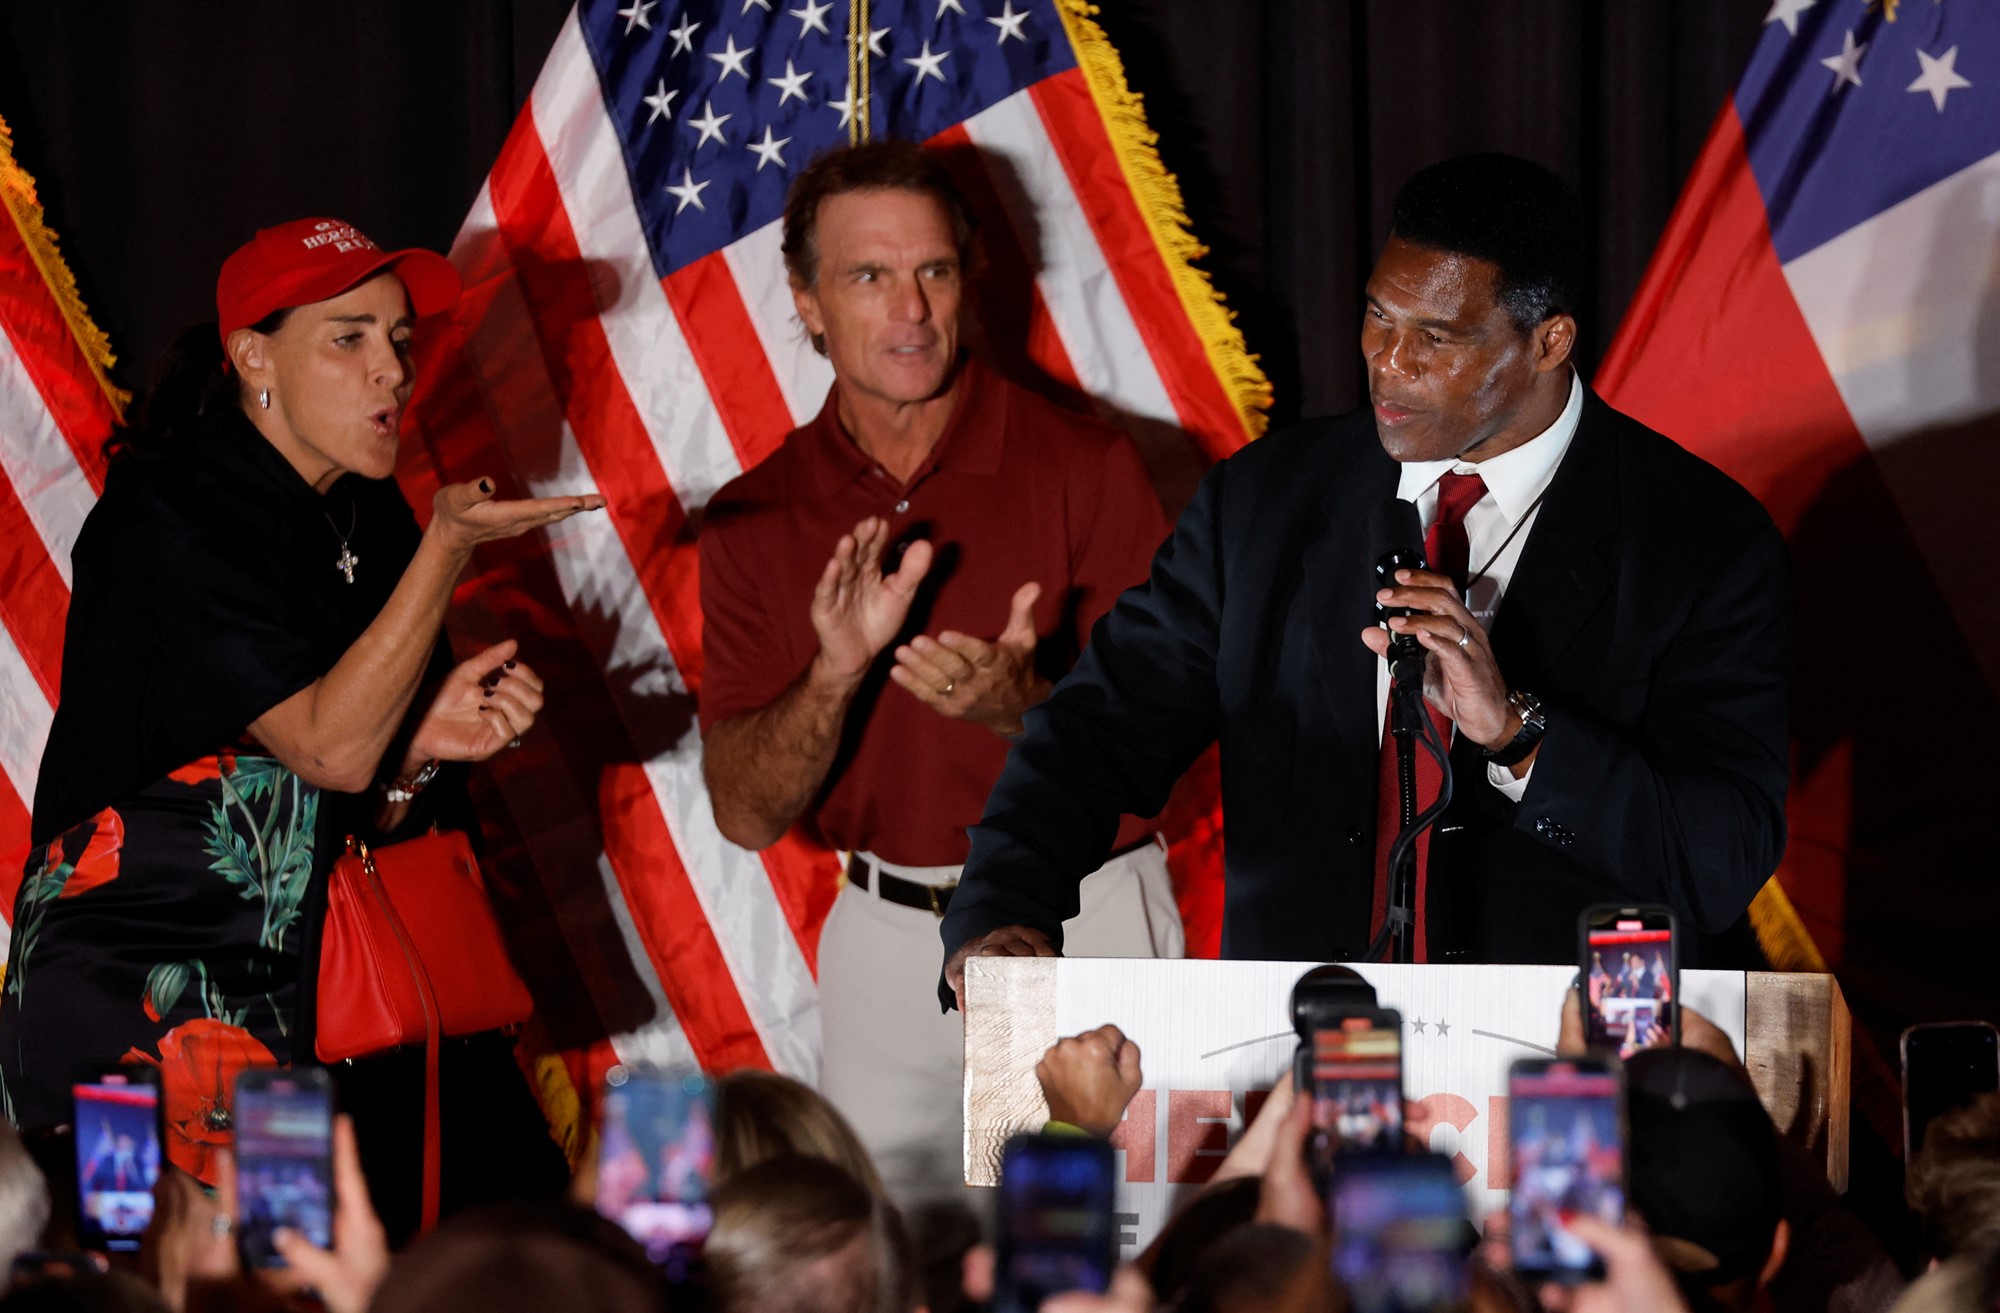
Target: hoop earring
{"type": "Point", "coordinates": [264, 398]}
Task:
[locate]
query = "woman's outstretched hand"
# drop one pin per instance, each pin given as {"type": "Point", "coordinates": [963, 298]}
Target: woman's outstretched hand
{"type": "Point", "coordinates": [466, 514]}
{"type": "Point", "coordinates": [484, 705]}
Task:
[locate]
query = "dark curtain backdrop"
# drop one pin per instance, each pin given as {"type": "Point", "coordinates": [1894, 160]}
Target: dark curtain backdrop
{"type": "Point", "coordinates": [164, 132]}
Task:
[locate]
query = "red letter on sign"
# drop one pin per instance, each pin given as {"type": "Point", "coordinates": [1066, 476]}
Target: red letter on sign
{"type": "Point", "coordinates": [1433, 1110]}
{"type": "Point", "coordinates": [1138, 1136]}
{"type": "Point", "coordinates": [1197, 1134]}
{"type": "Point", "coordinates": [1499, 1153]}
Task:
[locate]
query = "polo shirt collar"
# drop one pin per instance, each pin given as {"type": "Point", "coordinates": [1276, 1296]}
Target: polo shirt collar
{"type": "Point", "coordinates": [972, 441]}
{"type": "Point", "coordinates": [1513, 478]}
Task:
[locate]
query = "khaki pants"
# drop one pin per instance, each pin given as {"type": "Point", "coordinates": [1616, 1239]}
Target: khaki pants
{"type": "Point", "coordinates": [894, 1065]}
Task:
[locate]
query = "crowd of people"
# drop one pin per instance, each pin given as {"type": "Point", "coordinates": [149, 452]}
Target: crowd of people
{"type": "Point", "coordinates": [1725, 1214]}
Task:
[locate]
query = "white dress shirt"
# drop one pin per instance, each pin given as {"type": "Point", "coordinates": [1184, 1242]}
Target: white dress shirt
{"type": "Point", "coordinates": [1514, 481]}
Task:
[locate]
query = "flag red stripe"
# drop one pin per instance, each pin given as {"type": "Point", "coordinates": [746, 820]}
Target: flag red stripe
{"type": "Point", "coordinates": [34, 600]}
{"type": "Point", "coordinates": [43, 342]}
{"type": "Point", "coordinates": [723, 341]}
{"type": "Point", "coordinates": [13, 844]}
{"type": "Point", "coordinates": [1714, 305]}
{"type": "Point", "coordinates": [1076, 132]}
{"type": "Point", "coordinates": [674, 926]}
{"type": "Point", "coordinates": [549, 267]}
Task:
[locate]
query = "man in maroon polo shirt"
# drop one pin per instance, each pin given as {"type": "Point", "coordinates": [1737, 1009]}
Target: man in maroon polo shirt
{"type": "Point", "coordinates": [882, 599]}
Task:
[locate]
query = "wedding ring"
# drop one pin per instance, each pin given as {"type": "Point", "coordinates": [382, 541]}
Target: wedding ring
{"type": "Point", "coordinates": [221, 1225]}
{"type": "Point", "coordinates": [515, 744]}
{"type": "Point", "coordinates": [1464, 636]}
{"type": "Point", "coordinates": [949, 685]}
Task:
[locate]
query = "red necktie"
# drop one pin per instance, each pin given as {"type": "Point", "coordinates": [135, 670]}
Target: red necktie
{"type": "Point", "coordinates": [1448, 552]}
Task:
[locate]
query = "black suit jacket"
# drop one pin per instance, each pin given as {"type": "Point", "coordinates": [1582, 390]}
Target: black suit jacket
{"type": "Point", "coordinates": [1650, 611]}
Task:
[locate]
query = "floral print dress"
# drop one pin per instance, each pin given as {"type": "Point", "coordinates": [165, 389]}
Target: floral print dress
{"type": "Point", "coordinates": [201, 880]}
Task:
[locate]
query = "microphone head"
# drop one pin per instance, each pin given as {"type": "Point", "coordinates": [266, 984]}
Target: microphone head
{"type": "Point", "coordinates": [1393, 527]}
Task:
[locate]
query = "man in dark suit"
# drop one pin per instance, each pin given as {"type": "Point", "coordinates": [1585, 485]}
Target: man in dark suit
{"type": "Point", "coordinates": [1619, 735]}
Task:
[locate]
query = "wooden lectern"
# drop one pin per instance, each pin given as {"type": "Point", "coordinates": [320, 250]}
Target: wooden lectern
{"type": "Point", "coordinates": [1216, 1035]}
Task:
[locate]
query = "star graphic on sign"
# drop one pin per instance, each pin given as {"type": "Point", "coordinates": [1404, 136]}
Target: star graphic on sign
{"type": "Point", "coordinates": [875, 41]}
{"type": "Point", "coordinates": [929, 65]}
{"type": "Point", "coordinates": [1010, 22]}
{"type": "Point", "coordinates": [1939, 77]}
{"type": "Point", "coordinates": [662, 102]}
{"type": "Point", "coordinates": [639, 15]}
{"type": "Point", "coordinates": [731, 60]}
{"type": "Point", "coordinates": [1787, 12]}
{"type": "Point", "coordinates": [793, 83]}
{"type": "Point", "coordinates": [709, 127]}
{"type": "Point", "coordinates": [951, 6]}
{"type": "Point", "coordinates": [1418, 1025]}
{"type": "Point", "coordinates": [1444, 1028]}
{"type": "Point", "coordinates": [684, 36]}
{"type": "Point", "coordinates": [1846, 65]}
{"type": "Point", "coordinates": [846, 107]}
{"type": "Point", "coordinates": [812, 18]}
{"type": "Point", "coordinates": [768, 151]}
{"type": "Point", "coordinates": [689, 191]}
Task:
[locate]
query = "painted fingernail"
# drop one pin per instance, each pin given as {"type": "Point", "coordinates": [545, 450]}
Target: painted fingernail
{"type": "Point", "coordinates": [486, 485]}
{"type": "Point", "coordinates": [510, 665]}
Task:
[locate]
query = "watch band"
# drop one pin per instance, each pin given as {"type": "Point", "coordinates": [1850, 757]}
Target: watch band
{"type": "Point", "coordinates": [1533, 725]}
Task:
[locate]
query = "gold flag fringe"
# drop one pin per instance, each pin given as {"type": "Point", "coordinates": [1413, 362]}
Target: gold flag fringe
{"type": "Point", "coordinates": [1158, 194]}
{"type": "Point", "coordinates": [1780, 933]}
{"type": "Point", "coordinates": [17, 193]}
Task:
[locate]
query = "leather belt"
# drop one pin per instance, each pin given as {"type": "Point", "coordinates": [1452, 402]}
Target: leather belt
{"type": "Point", "coordinates": [932, 898]}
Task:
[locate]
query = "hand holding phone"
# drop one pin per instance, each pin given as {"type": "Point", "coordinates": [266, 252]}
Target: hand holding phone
{"type": "Point", "coordinates": [1353, 1068]}
{"type": "Point", "coordinates": [1400, 1232]}
{"type": "Point", "coordinates": [284, 1160]}
{"type": "Point", "coordinates": [1629, 977]}
{"type": "Point", "coordinates": [1566, 1123]}
{"type": "Point", "coordinates": [1946, 1065]}
{"type": "Point", "coordinates": [1054, 1229]}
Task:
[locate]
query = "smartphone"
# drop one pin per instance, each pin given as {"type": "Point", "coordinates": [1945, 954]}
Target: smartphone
{"type": "Point", "coordinates": [656, 1163]}
{"type": "Point", "coordinates": [1353, 1064]}
{"type": "Point", "coordinates": [284, 1159]}
{"type": "Point", "coordinates": [1946, 1065]}
{"type": "Point", "coordinates": [116, 1113]}
{"type": "Point", "coordinates": [1401, 1234]}
{"type": "Point", "coordinates": [1567, 1129]}
{"type": "Point", "coordinates": [1054, 1230]}
{"type": "Point", "coordinates": [1629, 975]}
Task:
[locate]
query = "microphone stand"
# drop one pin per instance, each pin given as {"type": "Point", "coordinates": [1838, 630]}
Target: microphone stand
{"type": "Point", "coordinates": [1406, 702]}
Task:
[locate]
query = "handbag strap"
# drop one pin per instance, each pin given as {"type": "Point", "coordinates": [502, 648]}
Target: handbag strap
{"type": "Point", "coordinates": [433, 1102]}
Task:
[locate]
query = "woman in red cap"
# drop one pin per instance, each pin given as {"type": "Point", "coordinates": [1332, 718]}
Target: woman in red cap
{"type": "Point", "coordinates": [251, 671]}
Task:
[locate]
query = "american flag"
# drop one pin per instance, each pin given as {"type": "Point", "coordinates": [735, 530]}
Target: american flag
{"type": "Point", "coordinates": [628, 329]}
{"type": "Point", "coordinates": [1820, 318]}
{"type": "Point", "coordinates": [56, 408]}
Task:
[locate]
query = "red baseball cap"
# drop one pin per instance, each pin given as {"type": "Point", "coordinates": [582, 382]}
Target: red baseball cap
{"type": "Point", "coordinates": [309, 260]}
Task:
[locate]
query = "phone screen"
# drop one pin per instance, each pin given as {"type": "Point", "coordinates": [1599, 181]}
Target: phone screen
{"type": "Point", "coordinates": [117, 1121]}
{"type": "Point", "coordinates": [1567, 1125]}
{"type": "Point", "coordinates": [1055, 1231]}
{"type": "Point", "coordinates": [1628, 978]}
{"type": "Point", "coordinates": [656, 1163]}
{"type": "Point", "coordinates": [1945, 1067]}
{"type": "Point", "coordinates": [284, 1160]}
{"type": "Point", "coordinates": [1400, 1234]}
{"type": "Point", "coordinates": [1357, 1084]}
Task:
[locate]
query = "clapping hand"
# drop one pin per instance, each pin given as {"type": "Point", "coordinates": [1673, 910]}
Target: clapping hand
{"type": "Point", "coordinates": [856, 609]}
{"type": "Point", "coordinates": [484, 705]}
{"type": "Point", "coordinates": [968, 678]}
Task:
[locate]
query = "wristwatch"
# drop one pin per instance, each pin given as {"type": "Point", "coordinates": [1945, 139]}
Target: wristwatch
{"type": "Point", "coordinates": [409, 786]}
{"type": "Point", "coordinates": [1533, 725]}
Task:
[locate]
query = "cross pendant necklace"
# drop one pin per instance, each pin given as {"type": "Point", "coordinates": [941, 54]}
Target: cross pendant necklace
{"type": "Point", "coordinates": [347, 560]}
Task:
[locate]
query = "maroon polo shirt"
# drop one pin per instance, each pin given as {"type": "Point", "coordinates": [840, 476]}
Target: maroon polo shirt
{"type": "Point", "coordinates": [1015, 490]}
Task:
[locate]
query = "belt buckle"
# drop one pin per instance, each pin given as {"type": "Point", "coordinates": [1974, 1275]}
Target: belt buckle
{"type": "Point", "coordinates": [937, 908]}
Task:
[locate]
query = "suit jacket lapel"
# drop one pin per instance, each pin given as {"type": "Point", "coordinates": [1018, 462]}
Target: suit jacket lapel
{"type": "Point", "coordinates": [1566, 567]}
{"type": "Point", "coordinates": [1339, 593]}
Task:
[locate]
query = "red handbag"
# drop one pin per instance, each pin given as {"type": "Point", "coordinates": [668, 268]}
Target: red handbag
{"type": "Point", "coordinates": [411, 954]}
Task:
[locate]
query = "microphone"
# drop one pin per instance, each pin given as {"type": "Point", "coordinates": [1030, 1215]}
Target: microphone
{"type": "Point", "coordinates": [1395, 528]}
